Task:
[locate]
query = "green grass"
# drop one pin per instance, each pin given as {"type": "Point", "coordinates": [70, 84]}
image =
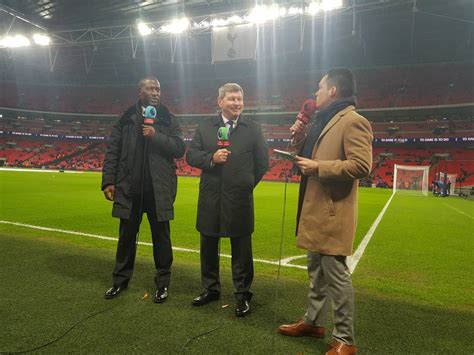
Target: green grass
{"type": "Point", "coordinates": [413, 284]}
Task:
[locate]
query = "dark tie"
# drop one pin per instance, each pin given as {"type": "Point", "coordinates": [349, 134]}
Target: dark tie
{"type": "Point", "coordinates": [231, 126]}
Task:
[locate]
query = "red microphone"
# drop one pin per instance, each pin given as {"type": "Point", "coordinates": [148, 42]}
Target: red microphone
{"type": "Point", "coordinates": [306, 111]}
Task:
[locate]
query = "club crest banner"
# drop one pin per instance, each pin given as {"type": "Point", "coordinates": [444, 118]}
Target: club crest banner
{"type": "Point", "coordinates": [233, 43]}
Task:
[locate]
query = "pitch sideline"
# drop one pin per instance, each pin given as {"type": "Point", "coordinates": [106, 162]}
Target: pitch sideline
{"type": "Point", "coordinates": [97, 236]}
{"type": "Point", "coordinates": [354, 260]}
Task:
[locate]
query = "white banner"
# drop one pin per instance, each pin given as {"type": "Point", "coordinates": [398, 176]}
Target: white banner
{"type": "Point", "coordinates": [233, 43]}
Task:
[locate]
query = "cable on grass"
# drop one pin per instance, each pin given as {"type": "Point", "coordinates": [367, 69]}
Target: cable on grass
{"type": "Point", "coordinates": [221, 307]}
{"type": "Point", "coordinates": [282, 233]}
{"type": "Point", "coordinates": [61, 336]}
{"type": "Point", "coordinates": [198, 336]}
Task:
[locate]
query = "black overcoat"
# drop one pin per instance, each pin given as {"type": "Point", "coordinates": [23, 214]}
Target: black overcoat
{"type": "Point", "coordinates": [163, 148]}
{"type": "Point", "coordinates": [225, 206]}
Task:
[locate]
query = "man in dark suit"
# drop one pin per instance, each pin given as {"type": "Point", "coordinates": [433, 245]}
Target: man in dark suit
{"type": "Point", "coordinates": [139, 176]}
{"type": "Point", "coordinates": [225, 207]}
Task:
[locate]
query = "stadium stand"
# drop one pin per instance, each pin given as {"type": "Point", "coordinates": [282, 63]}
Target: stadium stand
{"type": "Point", "coordinates": [407, 86]}
{"type": "Point", "coordinates": [78, 143]}
{"type": "Point", "coordinates": [74, 154]}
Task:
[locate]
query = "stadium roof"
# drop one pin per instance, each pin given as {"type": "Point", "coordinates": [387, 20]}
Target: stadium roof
{"type": "Point", "coordinates": [101, 39]}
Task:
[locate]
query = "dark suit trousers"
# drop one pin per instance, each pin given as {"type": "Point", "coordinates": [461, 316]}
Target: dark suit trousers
{"type": "Point", "coordinates": [126, 249]}
{"type": "Point", "coordinates": [242, 265]}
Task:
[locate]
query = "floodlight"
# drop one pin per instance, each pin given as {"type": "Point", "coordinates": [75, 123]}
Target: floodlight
{"type": "Point", "coordinates": [293, 10]}
{"type": "Point", "coordinates": [273, 11]}
{"type": "Point", "coordinates": [14, 41]}
{"type": "Point", "coordinates": [328, 5]}
{"type": "Point", "coordinates": [313, 8]}
{"type": "Point", "coordinates": [235, 19]}
{"type": "Point", "coordinates": [262, 13]}
{"type": "Point", "coordinates": [219, 22]}
{"type": "Point", "coordinates": [41, 39]}
{"type": "Point", "coordinates": [144, 29]}
{"type": "Point", "coordinates": [201, 25]}
{"type": "Point", "coordinates": [176, 26]}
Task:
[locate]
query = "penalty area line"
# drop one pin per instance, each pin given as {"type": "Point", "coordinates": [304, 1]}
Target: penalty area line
{"type": "Point", "coordinates": [103, 237]}
{"type": "Point", "coordinates": [361, 248]}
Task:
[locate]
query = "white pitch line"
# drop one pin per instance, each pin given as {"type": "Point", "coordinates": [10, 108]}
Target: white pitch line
{"type": "Point", "coordinates": [361, 248]}
{"type": "Point", "coordinates": [458, 210]}
{"type": "Point", "coordinates": [42, 171]}
{"type": "Point", "coordinates": [97, 236]}
{"type": "Point", "coordinates": [287, 261]}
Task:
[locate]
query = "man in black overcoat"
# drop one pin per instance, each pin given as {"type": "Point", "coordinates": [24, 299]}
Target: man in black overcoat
{"type": "Point", "coordinates": [139, 176]}
{"type": "Point", "coordinates": [225, 207]}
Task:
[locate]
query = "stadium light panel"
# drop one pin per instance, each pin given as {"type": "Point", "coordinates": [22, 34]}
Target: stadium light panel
{"type": "Point", "coordinates": [273, 12]}
{"type": "Point", "coordinates": [219, 22]}
{"type": "Point", "coordinates": [313, 8]}
{"type": "Point", "coordinates": [14, 41]}
{"type": "Point", "coordinates": [262, 13]}
{"type": "Point", "coordinates": [295, 10]}
{"type": "Point", "coordinates": [176, 26]}
{"type": "Point", "coordinates": [144, 29]}
{"type": "Point", "coordinates": [201, 25]}
{"type": "Point", "coordinates": [41, 39]}
{"type": "Point", "coordinates": [235, 19]}
{"type": "Point", "coordinates": [328, 5]}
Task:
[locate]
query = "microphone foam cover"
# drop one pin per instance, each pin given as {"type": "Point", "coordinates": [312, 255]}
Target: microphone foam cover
{"type": "Point", "coordinates": [150, 112]}
{"type": "Point", "coordinates": [308, 107]}
{"type": "Point", "coordinates": [223, 133]}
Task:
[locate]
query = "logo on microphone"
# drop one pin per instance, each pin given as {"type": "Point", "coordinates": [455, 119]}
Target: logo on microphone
{"type": "Point", "coordinates": [149, 115]}
{"type": "Point", "coordinates": [223, 137]}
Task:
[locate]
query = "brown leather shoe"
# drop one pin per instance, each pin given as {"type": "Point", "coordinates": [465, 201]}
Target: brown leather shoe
{"type": "Point", "coordinates": [301, 329]}
{"type": "Point", "coordinates": [339, 348]}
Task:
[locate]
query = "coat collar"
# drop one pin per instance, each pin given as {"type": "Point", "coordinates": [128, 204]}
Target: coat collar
{"type": "Point", "coordinates": [337, 117]}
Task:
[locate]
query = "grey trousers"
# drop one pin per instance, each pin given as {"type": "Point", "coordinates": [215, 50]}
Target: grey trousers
{"type": "Point", "coordinates": [330, 279]}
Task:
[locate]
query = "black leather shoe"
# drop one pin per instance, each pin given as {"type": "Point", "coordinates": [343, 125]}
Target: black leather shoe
{"type": "Point", "coordinates": [205, 298]}
{"type": "Point", "coordinates": [242, 308]}
{"type": "Point", "coordinates": [160, 295]}
{"type": "Point", "coordinates": [114, 291]}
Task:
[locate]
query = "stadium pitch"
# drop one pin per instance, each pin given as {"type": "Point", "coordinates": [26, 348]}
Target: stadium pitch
{"type": "Point", "coordinates": [413, 283]}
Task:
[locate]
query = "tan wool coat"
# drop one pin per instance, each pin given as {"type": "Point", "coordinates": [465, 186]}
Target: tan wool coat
{"type": "Point", "coordinates": [328, 217]}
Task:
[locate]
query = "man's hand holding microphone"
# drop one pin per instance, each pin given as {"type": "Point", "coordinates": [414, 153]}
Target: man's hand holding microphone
{"type": "Point", "coordinates": [298, 131]}
{"type": "Point", "coordinates": [302, 119]}
{"type": "Point", "coordinates": [220, 156]}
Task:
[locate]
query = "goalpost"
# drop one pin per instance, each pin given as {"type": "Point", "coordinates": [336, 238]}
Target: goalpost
{"type": "Point", "coordinates": [412, 179]}
{"type": "Point", "coordinates": [452, 183]}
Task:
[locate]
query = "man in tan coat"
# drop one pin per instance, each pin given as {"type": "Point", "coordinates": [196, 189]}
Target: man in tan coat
{"type": "Point", "coordinates": [333, 154]}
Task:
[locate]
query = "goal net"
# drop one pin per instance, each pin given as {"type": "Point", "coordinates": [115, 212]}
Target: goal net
{"type": "Point", "coordinates": [412, 179]}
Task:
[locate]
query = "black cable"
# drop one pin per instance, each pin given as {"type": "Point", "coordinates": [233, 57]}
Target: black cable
{"type": "Point", "coordinates": [282, 233]}
{"type": "Point", "coordinates": [198, 336]}
{"type": "Point", "coordinates": [61, 336]}
{"type": "Point", "coordinates": [145, 150]}
{"type": "Point", "coordinates": [221, 307]}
